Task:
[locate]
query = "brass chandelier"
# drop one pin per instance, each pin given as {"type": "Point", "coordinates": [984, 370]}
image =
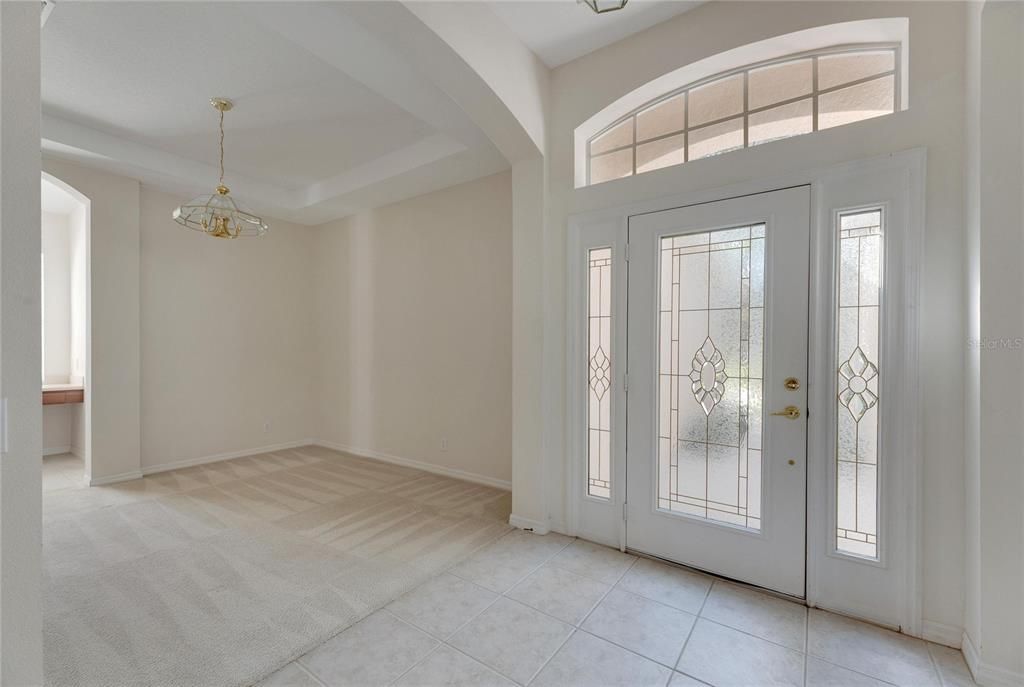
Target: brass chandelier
{"type": "Point", "coordinates": [218, 214]}
{"type": "Point", "coordinates": [602, 6]}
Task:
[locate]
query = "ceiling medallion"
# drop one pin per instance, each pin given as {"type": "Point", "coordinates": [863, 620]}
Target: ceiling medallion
{"type": "Point", "coordinates": [218, 214]}
{"type": "Point", "coordinates": [602, 6]}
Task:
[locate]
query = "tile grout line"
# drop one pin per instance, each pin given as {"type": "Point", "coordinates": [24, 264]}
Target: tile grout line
{"type": "Point", "coordinates": [626, 648]}
{"type": "Point", "coordinates": [572, 633]}
{"type": "Point", "coordinates": [852, 670]}
{"type": "Point", "coordinates": [614, 585]}
{"type": "Point", "coordinates": [416, 663]}
{"type": "Point", "coordinates": [749, 634]}
{"type": "Point", "coordinates": [305, 670]}
{"type": "Point", "coordinates": [935, 665]}
{"type": "Point", "coordinates": [518, 581]}
{"type": "Point", "coordinates": [693, 628]}
{"type": "Point", "coordinates": [441, 641]}
{"type": "Point", "coordinates": [574, 629]}
{"type": "Point", "coordinates": [444, 642]}
{"type": "Point", "coordinates": [480, 661]}
{"type": "Point", "coordinates": [498, 595]}
{"type": "Point", "coordinates": [739, 629]}
{"type": "Point", "coordinates": [579, 626]}
{"type": "Point", "coordinates": [807, 641]}
{"type": "Point", "coordinates": [594, 579]}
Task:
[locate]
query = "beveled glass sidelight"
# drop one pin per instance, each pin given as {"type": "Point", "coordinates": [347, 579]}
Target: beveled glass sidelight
{"type": "Point", "coordinates": [599, 373]}
{"type": "Point", "coordinates": [710, 360]}
{"type": "Point", "coordinates": [858, 301]}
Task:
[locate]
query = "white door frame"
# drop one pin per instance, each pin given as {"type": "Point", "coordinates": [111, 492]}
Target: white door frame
{"type": "Point", "coordinates": [895, 182]}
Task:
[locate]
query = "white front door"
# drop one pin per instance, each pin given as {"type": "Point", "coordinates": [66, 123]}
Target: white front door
{"type": "Point", "coordinates": [716, 457]}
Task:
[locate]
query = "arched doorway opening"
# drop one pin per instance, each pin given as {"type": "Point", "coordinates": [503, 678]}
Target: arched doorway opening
{"type": "Point", "coordinates": [65, 334]}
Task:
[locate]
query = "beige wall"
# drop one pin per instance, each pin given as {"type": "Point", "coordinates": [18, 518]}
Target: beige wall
{"type": "Point", "coordinates": [414, 329]}
{"type": "Point", "coordinates": [387, 332]}
{"type": "Point", "coordinates": [934, 120]}
{"type": "Point", "coordinates": [57, 429]}
{"type": "Point", "coordinates": [225, 338]}
{"type": "Point", "coordinates": [183, 329]}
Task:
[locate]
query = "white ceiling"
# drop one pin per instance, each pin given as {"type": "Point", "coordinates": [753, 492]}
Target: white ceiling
{"type": "Point", "coordinates": [327, 114]}
{"type": "Point", "coordinates": [146, 72]}
{"type": "Point", "coordinates": [559, 31]}
{"type": "Point", "coordinates": [335, 110]}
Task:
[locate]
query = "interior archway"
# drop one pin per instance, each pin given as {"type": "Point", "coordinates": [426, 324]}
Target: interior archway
{"type": "Point", "coordinates": [66, 326]}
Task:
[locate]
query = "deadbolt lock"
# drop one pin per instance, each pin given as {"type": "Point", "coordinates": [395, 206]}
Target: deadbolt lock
{"type": "Point", "coordinates": [792, 383]}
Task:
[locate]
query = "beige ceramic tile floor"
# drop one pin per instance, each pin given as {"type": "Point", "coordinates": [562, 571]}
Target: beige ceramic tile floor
{"type": "Point", "coordinates": [557, 612]}
{"type": "Point", "coordinates": [554, 611]}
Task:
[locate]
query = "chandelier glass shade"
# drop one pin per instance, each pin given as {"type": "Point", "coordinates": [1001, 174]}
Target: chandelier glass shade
{"type": "Point", "coordinates": [602, 6]}
{"type": "Point", "coordinates": [218, 214]}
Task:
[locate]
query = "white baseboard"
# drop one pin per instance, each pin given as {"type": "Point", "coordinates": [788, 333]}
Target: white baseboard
{"type": "Point", "coordinates": [536, 526]}
{"type": "Point", "coordinates": [419, 465]}
{"type": "Point", "coordinates": [56, 450]}
{"type": "Point", "coordinates": [598, 538]}
{"type": "Point", "coordinates": [114, 479]}
{"type": "Point", "coordinates": [941, 633]}
{"type": "Point", "coordinates": [217, 457]}
{"type": "Point", "coordinates": [559, 527]}
{"type": "Point", "coordinates": [986, 674]}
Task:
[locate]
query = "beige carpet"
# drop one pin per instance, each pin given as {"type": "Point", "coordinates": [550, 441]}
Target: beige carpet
{"type": "Point", "coordinates": [219, 574]}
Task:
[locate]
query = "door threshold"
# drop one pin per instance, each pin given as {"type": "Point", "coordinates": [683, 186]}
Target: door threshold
{"type": "Point", "coordinates": [739, 583]}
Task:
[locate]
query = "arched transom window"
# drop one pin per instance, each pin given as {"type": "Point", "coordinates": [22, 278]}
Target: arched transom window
{"type": "Point", "coordinates": [748, 106]}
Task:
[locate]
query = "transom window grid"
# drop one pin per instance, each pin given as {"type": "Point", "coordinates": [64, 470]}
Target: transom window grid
{"type": "Point", "coordinates": [634, 153]}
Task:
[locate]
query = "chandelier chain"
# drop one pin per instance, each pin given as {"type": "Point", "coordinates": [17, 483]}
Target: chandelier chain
{"type": "Point", "coordinates": [222, 147]}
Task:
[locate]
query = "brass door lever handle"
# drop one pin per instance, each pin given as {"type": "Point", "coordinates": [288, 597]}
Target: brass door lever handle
{"type": "Point", "coordinates": [789, 412]}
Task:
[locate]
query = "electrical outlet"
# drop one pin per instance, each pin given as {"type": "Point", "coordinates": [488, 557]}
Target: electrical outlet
{"type": "Point", "coordinates": [444, 443]}
{"type": "Point", "coordinates": [266, 427]}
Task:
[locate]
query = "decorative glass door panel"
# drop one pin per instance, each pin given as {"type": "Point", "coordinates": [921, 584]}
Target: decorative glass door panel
{"type": "Point", "coordinates": [710, 357]}
{"type": "Point", "coordinates": [717, 363]}
{"type": "Point", "coordinates": [857, 344]}
{"type": "Point", "coordinates": [599, 371]}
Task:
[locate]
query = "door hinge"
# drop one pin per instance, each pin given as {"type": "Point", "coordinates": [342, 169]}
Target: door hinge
{"type": "Point", "coordinates": [625, 382]}
{"type": "Point", "coordinates": [625, 511]}
{"type": "Point", "coordinates": [627, 252]}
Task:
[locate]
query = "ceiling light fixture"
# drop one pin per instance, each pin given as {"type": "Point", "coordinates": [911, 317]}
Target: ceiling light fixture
{"type": "Point", "coordinates": [47, 9]}
{"type": "Point", "coordinates": [218, 214]}
{"type": "Point", "coordinates": [602, 6]}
